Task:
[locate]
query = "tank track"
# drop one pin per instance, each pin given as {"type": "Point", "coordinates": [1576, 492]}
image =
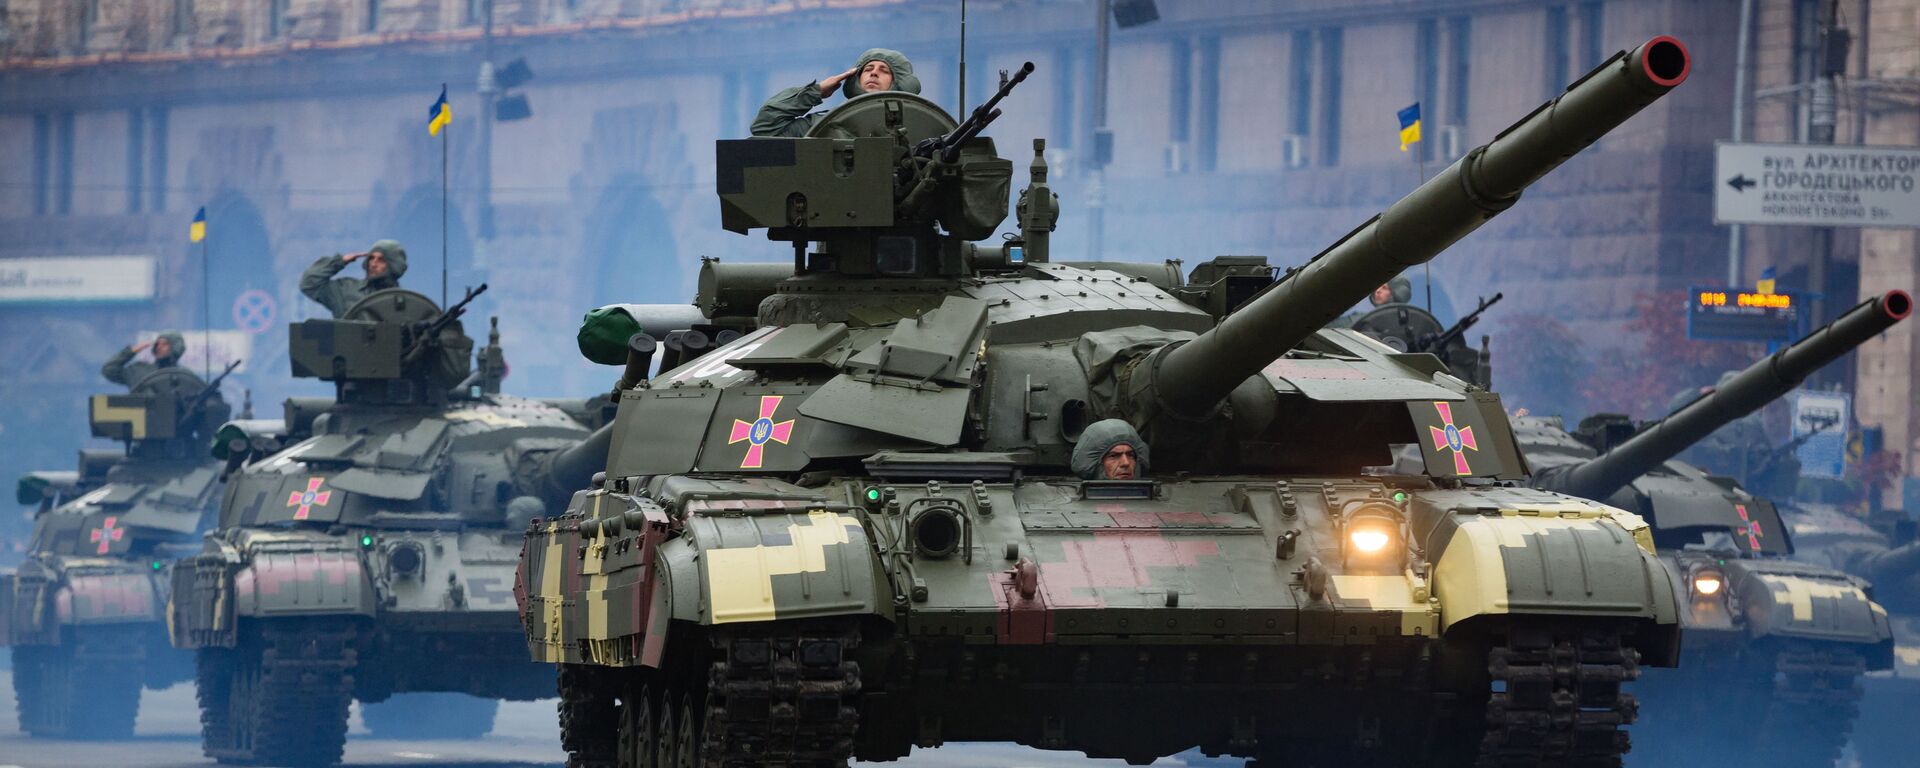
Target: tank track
{"type": "Point", "coordinates": [281, 702]}
{"type": "Point", "coordinates": [588, 716]}
{"type": "Point", "coordinates": [782, 696]}
{"type": "Point", "coordinates": [85, 688]}
{"type": "Point", "coordinates": [1558, 700]}
{"type": "Point", "coordinates": [1815, 698]}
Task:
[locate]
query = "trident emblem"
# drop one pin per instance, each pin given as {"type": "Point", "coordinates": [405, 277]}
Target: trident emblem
{"type": "Point", "coordinates": [759, 431]}
{"type": "Point", "coordinates": [1453, 439]}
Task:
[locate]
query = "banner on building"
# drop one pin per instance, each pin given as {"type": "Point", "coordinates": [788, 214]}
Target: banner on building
{"type": "Point", "coordinates": [225, 347]}
{"type": "Point", "coordinates": [1820, 424]}
{"type": "Point", "coordinates": [76, 279]}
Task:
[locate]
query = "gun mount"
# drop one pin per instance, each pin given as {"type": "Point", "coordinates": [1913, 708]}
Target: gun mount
{"type": "Point", "coordinates": [392, 347]}
{"type": "Point", "coordinates": [1745, 393]}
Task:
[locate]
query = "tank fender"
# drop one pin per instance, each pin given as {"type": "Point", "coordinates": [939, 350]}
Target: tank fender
{"type": "Point", "coordinates": [302, 582]}
{"type": "Point", "coordinates": [774, 566]}
{"type": "Point", "coordinates": [1810, 607]}
{"type": "Point", "coordinates": [1555, 556]}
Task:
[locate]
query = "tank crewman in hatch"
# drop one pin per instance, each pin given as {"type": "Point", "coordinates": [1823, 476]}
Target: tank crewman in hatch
{"type": "Point", "coordinates": [1110, 449]}
{"type": "Point", "coordinates": [386, 261]}
{"type": "Point", "coordinates": [879, 69]}
{"type": "Point", "coordinates": [1399, 290]}
{"type": "Point", "coordinates": [123, 369]}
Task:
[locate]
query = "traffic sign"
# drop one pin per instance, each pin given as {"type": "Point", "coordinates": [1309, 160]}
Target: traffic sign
{"type": "Point", "coordinates": [253, 311]}
{"type": "Point", "coordinates": [1816, 185]}
{"type": "Point", "coordinates": [1820, 422]}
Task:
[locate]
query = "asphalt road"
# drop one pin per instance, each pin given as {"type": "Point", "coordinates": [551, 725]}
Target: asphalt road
{"type": "Point", "coordinates": [525, 734]}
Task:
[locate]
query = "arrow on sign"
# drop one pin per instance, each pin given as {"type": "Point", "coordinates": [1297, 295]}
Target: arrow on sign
{"type": "Point", "coordinates": [1740, 182]}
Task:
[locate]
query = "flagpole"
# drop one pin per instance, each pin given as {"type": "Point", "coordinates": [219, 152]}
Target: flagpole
{"type": "Point", "coordinates": [206, 309]}
{"type": "Point", "coordinates": [445, 131]}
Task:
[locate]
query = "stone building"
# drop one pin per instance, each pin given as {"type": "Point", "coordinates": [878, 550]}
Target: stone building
{"type": "Point", "coordinates": [1240, 126]}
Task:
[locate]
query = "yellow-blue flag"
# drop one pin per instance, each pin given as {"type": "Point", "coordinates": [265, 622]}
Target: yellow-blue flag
{"type": "Point", "coordinates": [1409, 126]}
{"type": "Point", "coordinates": [440, 114]}
{"type": "Point", "coordinates": [197, 231]}
{"type": "Point", "coordinates": [1766, 282]}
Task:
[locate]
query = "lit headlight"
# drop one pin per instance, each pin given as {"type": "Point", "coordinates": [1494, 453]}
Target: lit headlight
{"type": "Point", "coordinates": [1707, 582]}
{"type": "Point", "coordinates": [1369, 540]}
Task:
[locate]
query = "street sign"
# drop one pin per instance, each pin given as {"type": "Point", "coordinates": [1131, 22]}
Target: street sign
{"type": "Point", "coordinates": [253, 311]}
{"type": "Point", "coordinates": [76, 279]}
{"type": "Point", "coordinates": [1816, 185]}
{"type": "Point", "coordinates": [1821, 419]}
{"type": "Point", "coordinates": [1734, 315]}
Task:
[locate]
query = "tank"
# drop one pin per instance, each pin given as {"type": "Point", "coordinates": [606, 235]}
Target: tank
{"type": "Point", "coordinates": [84, 614]}
{"type": "Point", "coordinates": [1787, 639]}
{"type": "Point", "coordinates": [375, 555]}
{"type": "Point", "coordinates": [853, 530]}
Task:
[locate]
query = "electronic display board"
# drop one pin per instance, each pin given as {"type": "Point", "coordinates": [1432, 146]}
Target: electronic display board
{"type": "Point", "coordinates": [1735, 315]}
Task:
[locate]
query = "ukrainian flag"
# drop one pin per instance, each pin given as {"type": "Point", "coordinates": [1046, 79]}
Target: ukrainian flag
{"type": "Point", "coordinates": [1409, 126]}
{"type": "Point", "coordinates": [439, 115]}
{"type": "Point", "coordinates": [1766, 282]}
{"type": "Point", "coordinates": [197, 231]}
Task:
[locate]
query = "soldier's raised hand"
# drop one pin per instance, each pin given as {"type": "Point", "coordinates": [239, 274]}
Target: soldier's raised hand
{"type": "Point", "coordinates": [351, 257]}
{"type": "Point", "coordinates": [828, 84]}
{"type": "Point", "coordinates": [142, 346]}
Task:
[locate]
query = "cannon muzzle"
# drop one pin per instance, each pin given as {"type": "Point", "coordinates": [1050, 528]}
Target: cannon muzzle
{"type": "Point", "coordinates": [1189, 379]}
{"type": "Point", "coordinates": [1751, 389]}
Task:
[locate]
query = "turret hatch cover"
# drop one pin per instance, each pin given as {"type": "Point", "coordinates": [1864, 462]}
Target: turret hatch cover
{"type": "Point", "coordinates": [1327, 380]}
{"type": "Point", "coordinates": [1754, 523]}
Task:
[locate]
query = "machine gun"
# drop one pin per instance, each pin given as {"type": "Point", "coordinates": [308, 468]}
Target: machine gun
{"type": "Point", "coordinates": [948, 146]}
{"type": "Point", "coordinates": [212, 388]}
{"type": "Point", "coordinates": [1448, 336]}
{"type": "Point", "coordinates": [431, 329]}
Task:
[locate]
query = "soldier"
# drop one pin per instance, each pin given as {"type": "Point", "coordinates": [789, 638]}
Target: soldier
{"type": "Point", "coordinates": [1399, 290]}
{"type": "Point", "coordinates": [122, 369]}
{"type": "Point", "coordinates": [879, 69]}
{"type": "Point", "coordinates": [386, 261]}
{"type": "Point", "coordinates": [1110, 449]}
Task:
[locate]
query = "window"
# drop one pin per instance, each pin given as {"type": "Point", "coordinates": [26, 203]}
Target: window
{"type": "Point", "coordinates": [1593, 45]}
{"type": "Point", "coordinates": [477, 11]}
{"type": "Point", "coordinates": [1556, 69]}
{"type": "Point", "coordinates": [136, 157]}
{"type": "Point", "coordinates": [277, 22]}
{"type": "Point", "coordinates": [1180, 112]}
{"type": "Point", "coordinates": [157, 127]}
{"type": "Point", "coordinates": [42, 161]}
{"type": "Point", "coordinates": [373, 15]}
{"type": "Point", "coordinates": [1459, 54]}
{"type": "Point", "coordinates": [89, 13]}
{"type": "Point", "coordinates": [182, 17]}
{"type": "Point", "coordinates": [1331, 45]}
{"type": "Point", "coordinates": [1427, 52]}
{"type": "Point", "coordinates": [63, 163]}
{"type": "Point", "coordinates": [1300, 93]}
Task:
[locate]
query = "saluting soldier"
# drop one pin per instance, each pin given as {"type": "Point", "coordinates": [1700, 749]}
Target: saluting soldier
{"type": "Point", "coordinates": [879, 69]}
{"type": "Point", "coordinates": [123, 369]}
{"type": "Point", "coordinates": [385, 262]}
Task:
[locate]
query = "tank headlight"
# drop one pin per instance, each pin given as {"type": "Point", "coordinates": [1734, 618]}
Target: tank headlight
{"type": "Point", "coordinates": [1708, 582]}
{"type": "Point", "coordinates": [1369, 540]}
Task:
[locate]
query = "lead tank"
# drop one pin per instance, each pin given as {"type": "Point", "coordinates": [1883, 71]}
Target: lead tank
{"type": "Point", "coordinates": [1787, 640]}
{"type": "Point", "coordinates": [84, 613]}
{"type": "Point", "coordinates": [375, 556]}
{"type": "Point", "coordinates": [852, 531]}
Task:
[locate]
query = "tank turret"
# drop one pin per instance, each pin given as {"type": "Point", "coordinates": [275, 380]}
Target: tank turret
{"type": "Point", "coordinates": [1745, 393]}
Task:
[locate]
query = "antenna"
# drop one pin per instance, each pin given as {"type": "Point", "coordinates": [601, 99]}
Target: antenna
{"type": "Point", "coordinates": [962, 106]}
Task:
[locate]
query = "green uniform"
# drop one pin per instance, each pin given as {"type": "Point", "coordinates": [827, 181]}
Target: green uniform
{"type": "Point", "coordinates": [786, 114]}
{"type": "Point", "coordinates": [1100, 437]}
{"type": "Point", "coordinates": [123, 369]}
{"type": "Point", "coordinates": [338, 294]}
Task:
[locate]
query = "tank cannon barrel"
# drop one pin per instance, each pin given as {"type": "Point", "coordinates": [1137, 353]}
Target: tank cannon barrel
{"type": "Point", "coordinates": [1190, 378]}
{"type": "Point", "coordinates": [565, 471]}
{"type": "Point", "coordinates": [1759, 384]}
{"type": "Point", "coordinates": [1890, 567]}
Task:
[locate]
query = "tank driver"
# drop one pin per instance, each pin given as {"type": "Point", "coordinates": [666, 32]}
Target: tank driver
{"type": "Point", "coordinates": [123, 369]}
{"type": "Point", "coordinates": [879, 69]}
{"type": "Point", "coordinates": [1110, 449]}
{"type": "Point", "coordinates": [385, 262]}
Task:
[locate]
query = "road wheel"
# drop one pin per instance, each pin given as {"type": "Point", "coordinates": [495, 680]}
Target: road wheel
{"type": "Point", "coordinates": [638, 737]}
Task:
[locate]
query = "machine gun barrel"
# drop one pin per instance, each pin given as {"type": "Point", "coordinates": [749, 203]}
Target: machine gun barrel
{"type": "Point", "coordinates": [440, 322]}
{"type": "Point", "coordinates": [1190, 378]}
{"type": "Point", "coordinates": [212, 388]}
{"type": "Point", "coordinates": [1745, 393]}
{"type": "Point", "coordinates": [981, 117]}
{"type": "Point", "coordinates": [1460, 328]}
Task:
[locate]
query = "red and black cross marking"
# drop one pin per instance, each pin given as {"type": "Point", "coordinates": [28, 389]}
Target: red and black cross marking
{"type": "Point", "coordinates": [759, 431]}
{"type": "Point", "coordinates": [1452, 438]}
{"type": "Point", "coordinates": [107, 534]}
